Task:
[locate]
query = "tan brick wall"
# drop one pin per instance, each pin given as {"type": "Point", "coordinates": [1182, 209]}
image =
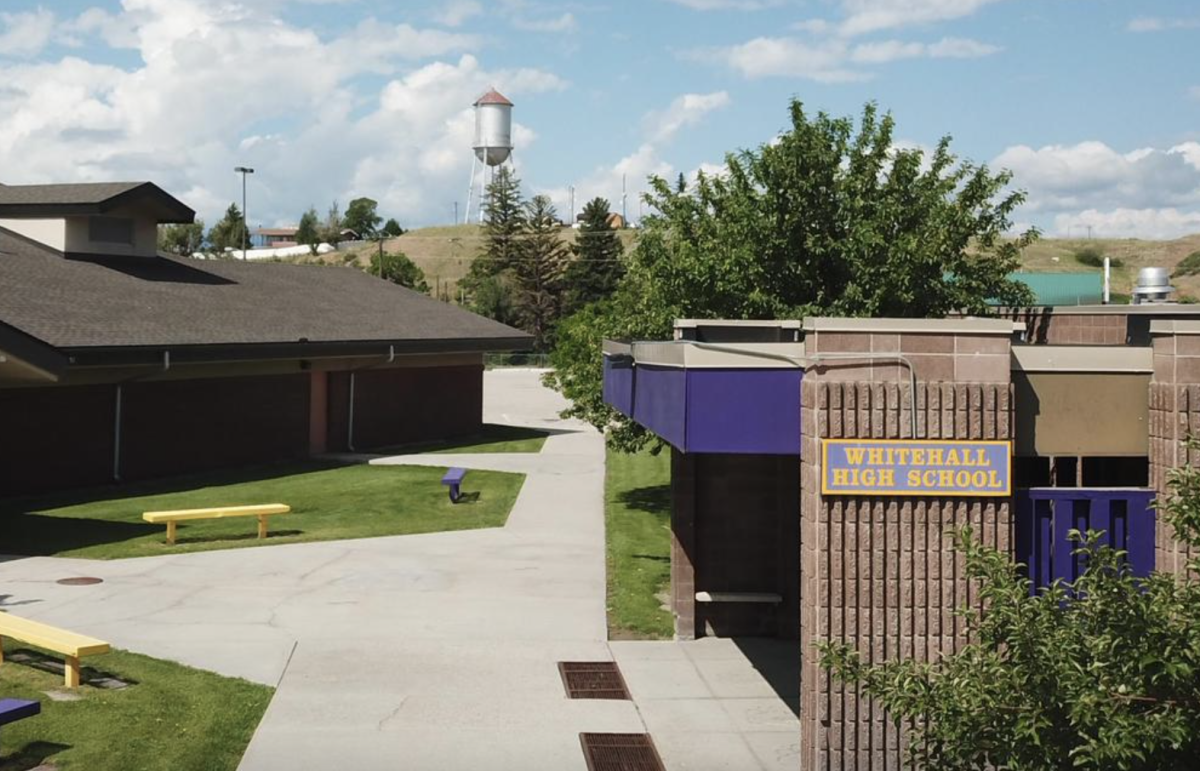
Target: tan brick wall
{"type": "Point", "coordinates": [879, 571]}
{"type": "Point", "coordinates": [1174, 413]}
{"type": "Point", "coordinates": [1044, 327]}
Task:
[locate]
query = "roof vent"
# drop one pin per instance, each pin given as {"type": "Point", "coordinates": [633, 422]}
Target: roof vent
{"type": "Point", "coordinates": [1153, 286]}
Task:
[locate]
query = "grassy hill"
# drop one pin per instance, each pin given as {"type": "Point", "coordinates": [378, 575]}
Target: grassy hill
{"type": "Point", "coordinates": [445, 254]}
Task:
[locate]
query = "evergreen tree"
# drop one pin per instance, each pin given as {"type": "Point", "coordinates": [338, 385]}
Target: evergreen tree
{"type": "Point", "coordinates": [330, 232]}
{"type": "Point", "coordinates": [488, 285]}
{"type": "Point", "coordinates": [539, 271]}
{"type": "Point", "coordinates": [308, 232]}
{"type": "Point", "coordinates": [597, 268]}
{"type": "Point", "coordinates": [391, 228]}
{"type": "Point", "coordinates": [230, 233]}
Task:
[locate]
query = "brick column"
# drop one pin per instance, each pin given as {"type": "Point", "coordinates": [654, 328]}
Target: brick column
{"type": "Point", "coordinates": [878, 571]}
{"type": "Point", "coordinates": [683, 544]}
{"type": "Point", "coordinates": [1174, 413]}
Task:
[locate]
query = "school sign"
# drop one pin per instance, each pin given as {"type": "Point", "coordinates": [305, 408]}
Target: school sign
{"type": "Point", "coordinates": [902, 467]}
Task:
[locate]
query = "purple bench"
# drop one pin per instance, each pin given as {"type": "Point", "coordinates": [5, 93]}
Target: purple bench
{"type": "Point", "coordinates": [12, 710]}
{"type": "Point", "coordinates": [453, 480]}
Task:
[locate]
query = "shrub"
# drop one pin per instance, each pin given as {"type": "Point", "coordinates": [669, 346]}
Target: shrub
{"type": "Point", "coordinates": [1188, 266]}
{"type": "Point", "coordinates": [1094, 258]}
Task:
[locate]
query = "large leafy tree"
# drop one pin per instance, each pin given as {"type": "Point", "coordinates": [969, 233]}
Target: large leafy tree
{"type": "Point", "coordinates": [538, 272]}
{"type": "Point", "coordinates": [829, 218]}
{"type": "Point", "coordinates": [597, 267]}
{"type": "Point", "coordinates": [361, 217]}
{"type": "Point", "coordinates": [1101, 673]}
{"type": "Point", "coordinates": [488, 285]}
{"type": "Point", "coordinates": [229, 233]}
{"type": "Point", "coordinates": [184, 239]}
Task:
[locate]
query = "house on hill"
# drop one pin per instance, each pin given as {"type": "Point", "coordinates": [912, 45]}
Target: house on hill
{"type": "Point", "coordinates": [119, 363]}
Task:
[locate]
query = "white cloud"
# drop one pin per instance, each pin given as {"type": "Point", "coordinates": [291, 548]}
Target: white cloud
{"type": "Point", "coordinates": [564, 23]}
{"type": "Point", "coordinates": [727, 5]}
{"type": "Point", "coordinates": [1146, 192]}
{"type": "Point", "coordinates": [1156, 24]}
{"type": "Point", "coordinates": [787, 57]}
{"type": "Point", "coordinates": [207, 84]}
{"type": "Point", "coordinates": [1166, 223]}
{"type": "Point", "coordinates": [455, 13]}
{"type": "Point", "coordinates": [834, 60]}
{"type": "Point", "coordinates": [863, 16]}
{"type": "Point", "coordinates": [1194, 93]}
{"type": "Point", "coordinates": [686, 110]}
{"type": "Point", "coordinates": [25, 34]}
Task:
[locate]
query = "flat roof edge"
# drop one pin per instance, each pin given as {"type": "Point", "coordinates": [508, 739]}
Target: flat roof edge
{"type": "Point", "coordinates": [1092, 359]}
{"type": "Point", "coordinates": [971, 325]}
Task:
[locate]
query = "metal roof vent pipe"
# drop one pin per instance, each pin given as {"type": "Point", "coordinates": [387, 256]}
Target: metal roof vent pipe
{"type": "Point", "coordinates": [1153, 286]}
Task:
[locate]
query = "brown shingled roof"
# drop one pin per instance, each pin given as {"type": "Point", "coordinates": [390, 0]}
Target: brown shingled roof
{"type": "Point", "coordinates": [88, 198]}
{"type": "Point", "coordinates": [493, 97]}
{"type": "Point", "coordinates": [93, 305]}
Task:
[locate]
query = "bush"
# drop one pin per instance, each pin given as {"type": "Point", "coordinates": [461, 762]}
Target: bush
{"type": "Point", "coordinates": [399, 269]}
{"type": "Point", "coordinates": [1188, 266]}
{"type": "Point", "coordinates": [1094, 258]}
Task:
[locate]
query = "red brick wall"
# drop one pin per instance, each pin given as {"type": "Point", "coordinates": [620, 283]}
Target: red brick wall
{"type": "Point", "coordinates": [184, 426]}
{"type": "Point", "coordinates": [55, 437]}
{"type": "Point", "coordinates": [1044, 327]}
{"type": "Point", "coordinates": [736, 533]}
{"type": "Point", "coordinates": [406, 404]}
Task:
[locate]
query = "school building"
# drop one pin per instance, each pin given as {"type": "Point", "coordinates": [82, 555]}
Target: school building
{"type": "Point", "coordinates": [118, 363]}
{"type": "Point", "coordinates": [817, 464]}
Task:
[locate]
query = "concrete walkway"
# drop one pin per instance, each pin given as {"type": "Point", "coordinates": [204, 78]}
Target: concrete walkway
{"type": "Point", "coordinates": [429, 651]}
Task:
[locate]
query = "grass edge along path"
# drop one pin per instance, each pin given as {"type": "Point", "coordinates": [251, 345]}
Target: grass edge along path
{"type": "Point", "coordinates": [329, 502]}
{"type": "Point", "coordinates": [637, 525]}
{"type": "Point", "coordinates": [170, 717]}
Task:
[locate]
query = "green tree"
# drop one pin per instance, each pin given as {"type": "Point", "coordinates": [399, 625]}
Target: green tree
{"type": "Point", "coordinates": [597, 268]}
{"type": "Point", "coordinates": [308, 231]}
{"type": "Point", "coordinates": [538, 272]}
{"type": "Point", "coordinates": [398, 268]}
{"type": "Point", "coordinates": [181, 239]}
{"type": "Point", "coordinates": [229, 233]}
{"type": "Point", "coordinates": [362, 218]}
{"type": "Point", "coordinates": [1100, 673]}
{"type": "Point", "coordinates": [488, 286]}
{"type": "Point", "coordinates": [391, 228]}
{"type": "Point", "coordinates": [330, 231]}
{"type": "Point", "coordinates": [827, 219]}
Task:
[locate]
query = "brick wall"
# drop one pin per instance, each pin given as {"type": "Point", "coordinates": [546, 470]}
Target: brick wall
{"type": "Point", "coordinates": [1045, 327]}
{"type": "Point", "coordinates": [1174, 413]}
{"type": "Point", "coordinates": [54, 437]}
{"type": "Point", "coordinates": [878, 571]}
{"type": "Point", "coordinates": [734, 529]}
{"type": "Point", "coordinates": [405, 404]}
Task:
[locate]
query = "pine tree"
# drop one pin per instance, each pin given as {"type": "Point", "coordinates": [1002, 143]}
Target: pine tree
{"type": "Point", "coordinates": [488, 285]}
{"type": "Point", "coordinates": [539, 271]}
{"type": "Point", "coordinates": [308, 232]}
{"type": "Point", "coordinates": [229, 234]}
{"type": "Point", "coordinates": [597, 267]}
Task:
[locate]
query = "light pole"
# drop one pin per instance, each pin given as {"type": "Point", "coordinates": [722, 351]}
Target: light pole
{"type": "Point", "coordinates": [244, 170]}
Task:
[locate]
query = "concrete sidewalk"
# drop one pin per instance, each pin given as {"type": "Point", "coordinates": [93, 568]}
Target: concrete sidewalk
{"type": "Point", "coordinates": [433, 651]}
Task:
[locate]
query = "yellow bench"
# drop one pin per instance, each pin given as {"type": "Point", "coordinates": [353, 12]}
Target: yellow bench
{"type": "Point", "coordinates": [70, 645]}
{"type": "Point", "coordinates": [170, 518]}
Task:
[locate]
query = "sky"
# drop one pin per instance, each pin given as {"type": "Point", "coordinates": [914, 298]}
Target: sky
{"type": "Point", "coordinates": [1094, 105]}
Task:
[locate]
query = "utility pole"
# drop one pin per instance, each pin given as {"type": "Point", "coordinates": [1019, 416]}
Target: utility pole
{"type": "Point", "coordinates": [456, 212]}
{"type": "Point", "coordinates": [571, 218]}
{"type": "Point", "coordinates": [244, 170]}
{"type": "Point", "coordinates": [624, 214]}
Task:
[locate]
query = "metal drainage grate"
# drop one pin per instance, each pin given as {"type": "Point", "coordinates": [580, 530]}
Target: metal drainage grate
{"type": "Point", "coordinates": [620, 752]}
{"type": "Point", "coordinates": [79, 581]}
{"type": "Point", "coordinates": [593, 680]}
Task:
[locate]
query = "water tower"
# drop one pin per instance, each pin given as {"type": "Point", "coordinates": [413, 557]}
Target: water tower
{"type": "Point", "coordinates": [493, 143]}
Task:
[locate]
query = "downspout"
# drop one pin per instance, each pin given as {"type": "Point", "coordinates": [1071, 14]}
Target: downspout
{"type": "Point", "coordinates": [809, 361]}
{"type": "Point", "coordinates": [116, 472]}
{"type": "Point", "coordinates": [350, 418]}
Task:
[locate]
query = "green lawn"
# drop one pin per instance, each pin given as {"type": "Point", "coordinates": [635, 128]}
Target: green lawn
{"type": "Point", "coordinates": [638, 526]}
{"type": "Point", "coordinates": [170, 718]}
{"type": "Point", "coordinates": [328, 502]}
{"type": "Point", "coordinates": [493, 438]}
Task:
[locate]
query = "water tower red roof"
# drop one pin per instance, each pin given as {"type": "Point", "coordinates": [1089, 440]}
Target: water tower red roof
{"type": "Point", "coordinates": [493, 97]}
